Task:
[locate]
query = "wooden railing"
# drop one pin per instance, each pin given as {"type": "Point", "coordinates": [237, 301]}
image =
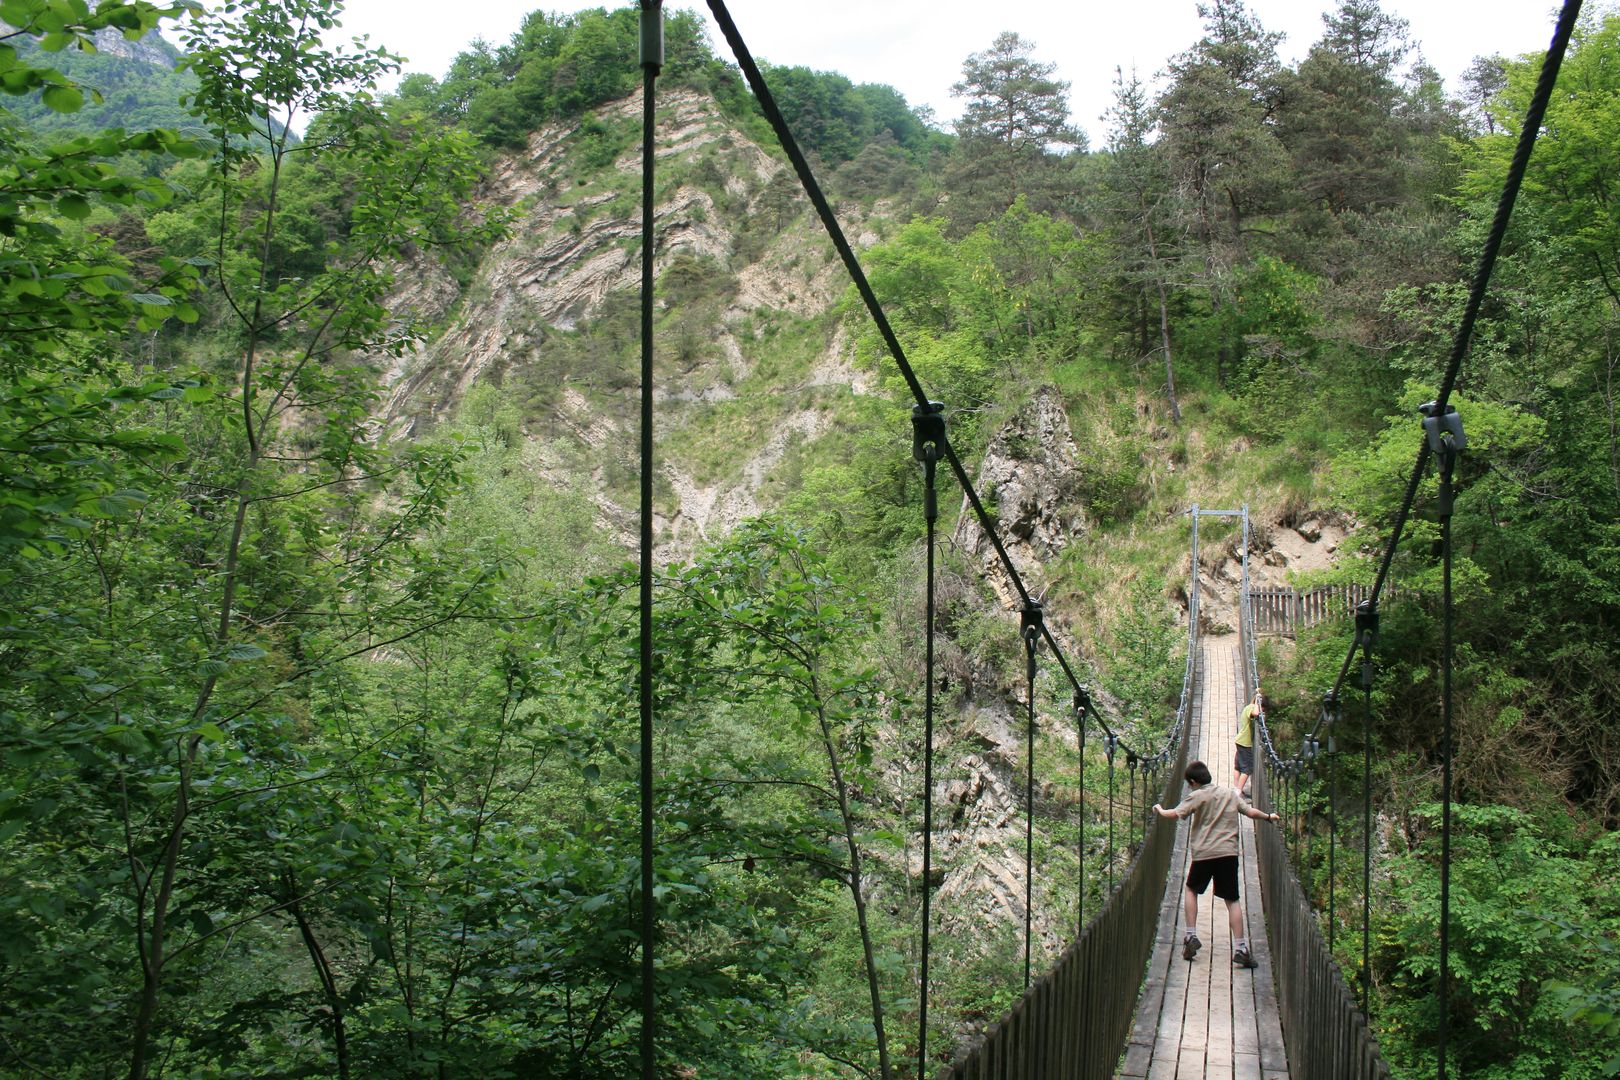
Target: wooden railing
{"type": "Point", "coordinates": [1074, 1021]}
{"type": "Point", "coordinates": [1325, 1033]}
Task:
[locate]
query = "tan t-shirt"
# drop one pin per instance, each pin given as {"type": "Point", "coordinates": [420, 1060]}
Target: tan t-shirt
{"type": "Point", "coordinates": [1215, 812]}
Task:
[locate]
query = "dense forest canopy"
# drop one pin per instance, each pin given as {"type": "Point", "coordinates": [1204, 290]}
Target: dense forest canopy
{"type": "Point", "coordinates": [317, 754]}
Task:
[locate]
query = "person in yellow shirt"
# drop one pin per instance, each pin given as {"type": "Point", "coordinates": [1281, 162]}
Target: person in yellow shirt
{"type": "Point", "coordinates": [1213, 844]}
{"type": "Point", "coordinates": [1243, 761]}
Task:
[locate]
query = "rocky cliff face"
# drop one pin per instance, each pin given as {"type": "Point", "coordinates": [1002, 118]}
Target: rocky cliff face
{"type": "Point", "coordinates": [1027, 481]}
{"type": "Point", "coordinates": [150, 49]}
{"type": "Point", "coordinates": [572, 260]}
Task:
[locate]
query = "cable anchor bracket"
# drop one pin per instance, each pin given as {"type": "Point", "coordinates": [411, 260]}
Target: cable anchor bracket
{"type": "Point", "coordinates": [1031, 620]}
{"type": "Point", "coordinates": [1366, 639]}
{"type": "Point", "coordinates": [927, 446]}
{"type": "Point", "coordinates": [1082, 704]}
{"type": "Point", "coordinates": [1446, 440]}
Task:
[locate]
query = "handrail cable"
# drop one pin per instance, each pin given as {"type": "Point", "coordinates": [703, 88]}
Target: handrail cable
{"type": "Point", "coordinates": [829, 221]}
{"type": "Point", "coordinates": [652, 59]}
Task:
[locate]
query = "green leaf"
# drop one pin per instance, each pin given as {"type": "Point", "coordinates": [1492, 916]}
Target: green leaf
{"type": "Point", "coordinates": [212, 733]}
{"type": "Point", "coordinates": [244, 651]}
{"type": "Point", "coordinates": [73, 207]}
{"type": "Point", "coordinates": [63, 99]}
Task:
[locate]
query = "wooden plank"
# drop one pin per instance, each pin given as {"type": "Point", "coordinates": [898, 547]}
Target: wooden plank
{"type": "Point", "coordinates": [1206, 1018]}
{"type": "Point", "coordinates": [1221, 992]}
{"type": "Point", "coordinates": [1137, 1061]}
{"type": "Point", "coordinates": [1166, 1054]}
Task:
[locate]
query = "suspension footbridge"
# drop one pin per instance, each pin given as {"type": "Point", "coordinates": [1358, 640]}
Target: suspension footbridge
{"type": "Point", "coordinates": [1120, 1000]}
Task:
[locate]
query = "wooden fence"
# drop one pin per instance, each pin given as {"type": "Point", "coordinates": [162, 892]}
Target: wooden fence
{"type": "Point", "coordinates": [1284, 610]}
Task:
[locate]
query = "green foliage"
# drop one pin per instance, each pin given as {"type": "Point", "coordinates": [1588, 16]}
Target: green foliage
{"type": "Point", "coordinates": [973, 312]}
{"type": "Point", "coordinates": [1513, 884]}
{"type": "Point", "coordinates": [136, 92]}
{"type": "Point", "coordinates": [835, 119]}
{"type": "Point", "coordinates": [1148, 660]}
{"type": "Point", "coordinates": [1015, 122]}
{"type": "Point", "coordinates": [315, 756]}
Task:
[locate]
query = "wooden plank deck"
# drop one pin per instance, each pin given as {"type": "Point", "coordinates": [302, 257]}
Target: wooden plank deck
{"type": "Point", "coordinates": [1208, 1019]}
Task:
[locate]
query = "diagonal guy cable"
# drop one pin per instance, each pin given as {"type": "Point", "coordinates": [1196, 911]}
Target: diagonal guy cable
{"type": "Point", "coordinates": [1482, 276]}
{"type": "Point", "coordinates": [767, 104]}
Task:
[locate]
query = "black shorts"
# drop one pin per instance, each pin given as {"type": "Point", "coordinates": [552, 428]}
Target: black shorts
{"type": "Point", "coordinates": [1244, 762]}
{"type": "Point", "coordinates": [1223, 869]}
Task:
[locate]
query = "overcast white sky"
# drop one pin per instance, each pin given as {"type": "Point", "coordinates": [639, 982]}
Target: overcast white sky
{"type": "Point", "coordinates": [917, 46]}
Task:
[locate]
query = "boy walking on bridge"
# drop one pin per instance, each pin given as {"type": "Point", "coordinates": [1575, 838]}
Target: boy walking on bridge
{"type": "Point", "coordinates": [1213, 844]}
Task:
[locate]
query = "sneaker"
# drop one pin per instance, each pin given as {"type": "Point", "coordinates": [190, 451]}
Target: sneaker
{"type": "Point", "coordinates": [1242, 959]}
{"type": "Point", "coordinates": [1190, 947]}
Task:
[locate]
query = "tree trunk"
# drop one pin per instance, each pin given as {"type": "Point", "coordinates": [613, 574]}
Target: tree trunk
{"type": "Point", "coordinates": [323, 972]}
{"type": "Point", "coordinates": [1164, 318]}
{"type": "Point", "coordinates": [856, 892]}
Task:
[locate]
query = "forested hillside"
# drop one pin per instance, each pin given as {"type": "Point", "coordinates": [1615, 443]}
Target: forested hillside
{"type": "Point", "coordinates": [318, 746]}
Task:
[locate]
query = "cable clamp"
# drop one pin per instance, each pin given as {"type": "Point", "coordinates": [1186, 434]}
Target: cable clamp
{"type": "Point", "coordinates": [1031, 619]}
{"type": "Point", "coordinates": [927, 446]}
{"type": "Point", "coordinates": [1446, 440]}
{"type": "Point", "coordinates": [652, 35]}
{"type": "Point", "coordinates": [927, 430]}
{"type": "Point", "coordinates": [1030, 623]}
{"type": "Point", "coordinates": [1445, 432]}
{"type": "Point", "coordinates": [1331, 708]}
{"type": "Point", "coordinates": [1366, 625]}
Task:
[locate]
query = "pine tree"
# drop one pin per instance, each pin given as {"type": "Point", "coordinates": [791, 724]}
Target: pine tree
{"type": "Point", "coordinates": [1017, 115]}
{"type": "Point", "coordinates": [1136, 199]}
{"type": "Point", "coordinates": [1339, 117]}
{"type": "Point", "coordinates": [1222, 148]}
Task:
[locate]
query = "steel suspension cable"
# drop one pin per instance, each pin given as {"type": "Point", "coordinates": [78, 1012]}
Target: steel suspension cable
{"type": "Point", "coordinates": [852, 266]}
{"type": "Point", "coordinates": [1448, 461]}
{"type": "Point", "coordinates": [1366, 634]}
{"type": "Point", "coordinates": [652, 60]}
{"type": "Point", "coordinates": [1332, 766]}
{"type": "Point", "coordinates": [1110, 744]}
{"type": "Point", "coordinates": [1482, 275]}
{"type": "Point", "coordinates": [1082, 704]}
